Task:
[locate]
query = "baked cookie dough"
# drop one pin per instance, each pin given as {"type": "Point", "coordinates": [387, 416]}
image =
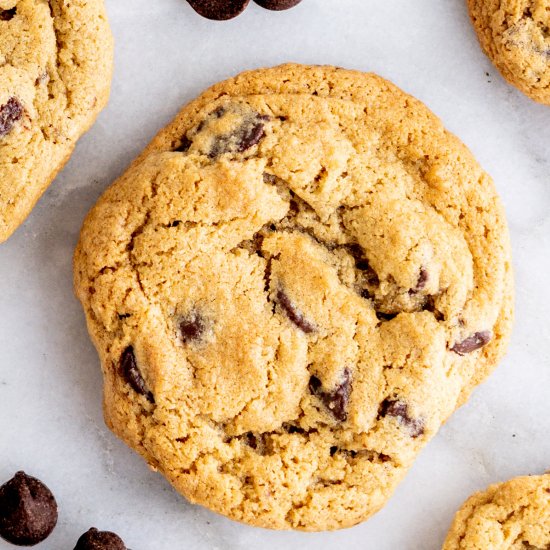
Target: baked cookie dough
{"type": "Point", "coordinates": [515, 34]}
{"type": "Point", "coordinates": [291, 289]}
{"type": "Point", "coordinates": [508, 516]}
{"type": "Point", "coordinates": [55, 74]}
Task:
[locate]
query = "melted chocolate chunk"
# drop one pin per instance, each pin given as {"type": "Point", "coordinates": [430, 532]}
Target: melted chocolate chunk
{"type": "Point", "coordinates": [362, 264]}
{"type": "Point", "coordinates": [219, 10]}
{"type": "Point", "coordinates": [277, 5]}
{"type": "Point", "coordinates": [472, 343]}
{"type": "Point", "coordinates": [400, 410]}
{"type": "Point", "coordinates": [248, 134]}
{"type": "Point", "coordinates": [429, 305]}
{"type": "Point", "coordinates": [385, 316]}
{"type": "Point", "coordinates": [421, 283]}
{"type": "Point", "coordinates": [294, 314]}
{"type": "Point", "coordinates": [292, 429]}
{"type": "Point", "coordinates": [28, 510]}
{"type": "Point", "coordinates": [336, 401]}
{"type": "Point", "coordinates": [10, 113]}
{"type": "Point", "coordinates": [192, 328]}
{"type": "Point", "coordinates": [251, 134]}
{"type": "Point", "coordinates": [130, 371]}
{"type": "Point", "coordinates": [184, 146]}
{"type": "Point", "coordinates": [8, 15]}
{"type": "Point", "coordinates": [99, 540]}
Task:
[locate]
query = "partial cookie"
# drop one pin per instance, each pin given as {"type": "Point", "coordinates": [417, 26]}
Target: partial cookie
{"type": "Point", "coordinates": [507, 516]}
{"type": "Point", "coordinates": [55, 74]}
{"type": "Point", "coordinates": [291, 289]}
{"type": "Point", "coordinates": [515, 34]}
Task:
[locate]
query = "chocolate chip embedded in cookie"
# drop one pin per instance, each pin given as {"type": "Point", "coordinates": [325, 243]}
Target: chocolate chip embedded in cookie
{"type": "Point", "coordinates": [55, 72]}
{"type": "Point", "coordinates": [295, 300]}
{"type": "Point", "coordinates": [513, 514]}
{"type": "Point", "coordinates": [28, 511]}
{"type": "Point", "coordinates": [514, 34]}
{"type": "Point", "coordinates": [10, 113]}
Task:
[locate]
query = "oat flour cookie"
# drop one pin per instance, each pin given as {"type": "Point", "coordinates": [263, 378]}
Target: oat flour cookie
{"type": "Point", "coordinates": [291, 289]}
{"type": "Point", "coordinates": [515, 34]}
{"type": "Point", "coordinates": [55, 73]}
{"type": "Point", "coordinates": [508, 516]}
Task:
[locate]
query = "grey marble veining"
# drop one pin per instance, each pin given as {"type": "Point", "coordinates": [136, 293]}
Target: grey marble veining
{"type": "Point", "coordinates": [50, 385]}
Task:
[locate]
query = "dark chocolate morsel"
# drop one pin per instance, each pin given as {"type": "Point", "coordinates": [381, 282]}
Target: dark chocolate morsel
{"type": "Point", "coordinates": [277, 5]}
{"type": "Point", "coordinates": [10, 113]}
{"type": "Point", "coordinates": [192, 328]}
{"type": "Point", "coordinates": [8, 15]}
{"type": "Point", "coordinates": [28, 510]}
{"type": "Point", "coordinates": [385, 316]}
{"type": "Point", "coordinates": [99, 540]}
{"type": "Point", "coordinates": [294, 314]}
{"type": "Point", "coordinates": [251, 135]}
{"type": "Point", "coordinates": [370, 276]}
{"type": "Point", "coordinates": [472, 343]}
{"type": "Point", "coordinates": [400, 410]}
{"type": "Point", "coordinates": [336, 401]}
{"type": "Point", "coordinates": [245, 136]}
{"type": "Point", "coordinates": [130, 371]}
{"type": "Point", "coordinates": [184, 146]}
{"type": "Point", "coordinates": [421, 283]}
{"type": "Point", "coordinates": [219, 10]}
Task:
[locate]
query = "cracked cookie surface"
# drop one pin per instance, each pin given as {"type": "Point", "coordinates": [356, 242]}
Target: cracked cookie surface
{"type": "Point", "coordinates": [55, 73]}
{"type": "Point", "coordinates": [290, 290]}
{"type": "Point", "coordinates": [514, 515]}
{"type": "Point", "coordinates": [515, 34]}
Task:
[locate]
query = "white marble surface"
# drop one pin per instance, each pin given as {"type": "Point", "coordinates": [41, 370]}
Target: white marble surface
{"type": "Point", "coordinates": [50, 385]}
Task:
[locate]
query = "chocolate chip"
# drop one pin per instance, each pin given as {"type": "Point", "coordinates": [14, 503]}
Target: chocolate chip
{"type": "Point", "coordinates": [248, 134]}
{"type": "Point", "coordinates": [28, 511]}
{"type": "Point", "coordinates": [192, 328]}
{"type": "Point", "coordinates": [362, 264]}
{"type": "Point", "coordinates": [8, 15]}
{"type": "Point", "coordinates": [277, 5]}
{"type": "Point", "coordinates": [294, 314]}
{"type": "Point", "coordinates": [99, 540]}
{"type": "Point", "coordinates": [421, 283]}
{"type": "Point", "coordinates": [251, 440]}
{"type": "Point", "coordinates": [336, 401]}
{"type": "Point", "coordinates": [130, 371]}
{"type": "Point", "coordinates": [10, 113]}
{"type": "Point", "coordinates": [429, 305]}
{"type": "Point", "coordinates": [219, 10]}
{"type": "Point", "coordinates": [400, 410]}
{"type": "Point", "coordinates": [293, 429]}
{"type": "Point", "coordinates": [472, 343]}
{"type": "Point", "coordinates": [385, 316]}
{"type": "Point", "coordinates": [252, 134]}
{"type": "Point", "coordinates": [184, 146]}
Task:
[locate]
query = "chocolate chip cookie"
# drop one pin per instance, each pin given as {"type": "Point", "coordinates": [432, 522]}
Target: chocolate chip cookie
{"type": "Point", "coordinates": [291, 289]}
{"type": "Point", "coordinates": [508, 516]}
{"type": "Point", "coordinates": [515, 34]}
{"type": "Point", "coordinates": [55, 72]}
